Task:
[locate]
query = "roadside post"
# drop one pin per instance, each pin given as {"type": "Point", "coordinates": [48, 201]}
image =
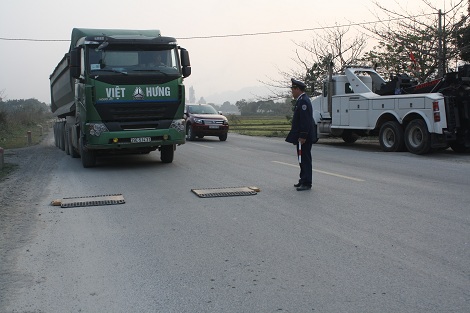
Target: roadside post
{"type": "Point", "coordinates": [30, 139]}
{"type": "Point", "coordinates": [1, 158]}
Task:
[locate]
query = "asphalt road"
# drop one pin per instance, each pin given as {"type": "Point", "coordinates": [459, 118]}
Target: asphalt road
{"type": "Point", "coordinates": [379, 232]}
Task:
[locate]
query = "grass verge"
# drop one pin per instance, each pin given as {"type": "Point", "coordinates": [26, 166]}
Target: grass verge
{"type": "Point", "coordinates": [267, 126]}
{"type": "Point", "coordinates": [17, 136]}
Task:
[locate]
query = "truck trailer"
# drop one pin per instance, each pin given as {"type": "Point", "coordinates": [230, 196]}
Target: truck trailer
{"type": "Point", "coordinates": [119, 91]}
{"type": "Point", "coordinates": [404, 115]}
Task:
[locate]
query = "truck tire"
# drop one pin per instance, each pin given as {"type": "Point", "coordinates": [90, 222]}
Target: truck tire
{"type": "Point", "coordinates": [391, 137]}
{"type": "Point", "coordinates": [167, 153]}
{"type": "Point", "coordinates": [88, 157]}
{"type": "Point", "coordinates": [458, 147]}
{"type": "Point", "coordinates": [417, 137]}
{"type": "Point", "coordinates": [66, 140]}
{"type": "Point", "coordinates": [61, 132]}
{"type": "Point", "coordinates": [56, 136]}
{"type": "Point", "coordinates": [73, 153]}
{"type": "Point", "coordinates": [349, 136]}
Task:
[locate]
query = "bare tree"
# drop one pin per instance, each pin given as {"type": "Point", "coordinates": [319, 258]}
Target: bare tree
{"type": "Point", "coordinates": [333, 48]}
{"type": "Point", "coordinates": [417, 42]}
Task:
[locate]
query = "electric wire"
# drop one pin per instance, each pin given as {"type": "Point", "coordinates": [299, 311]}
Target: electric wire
{"type": "Point", "coordinates": [246, 34]}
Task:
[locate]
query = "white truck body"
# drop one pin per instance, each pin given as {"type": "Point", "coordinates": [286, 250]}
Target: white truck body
{"type": "Point", "coordinates": [356, 109]}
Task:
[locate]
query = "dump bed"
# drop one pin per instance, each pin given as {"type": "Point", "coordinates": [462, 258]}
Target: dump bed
{"type": "Point", "coordinates": [62, 89]}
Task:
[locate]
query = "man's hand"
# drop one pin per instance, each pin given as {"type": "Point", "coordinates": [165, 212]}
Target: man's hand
{"type": "Point", "coordinates": [302, 140]}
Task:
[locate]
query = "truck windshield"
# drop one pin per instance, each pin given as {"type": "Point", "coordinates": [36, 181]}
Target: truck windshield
{"type": "Point", "coordinates": [116, 59]}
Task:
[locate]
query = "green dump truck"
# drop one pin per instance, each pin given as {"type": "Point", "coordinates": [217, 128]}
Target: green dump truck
{"type": "Point", "coordinates": [119, 91]}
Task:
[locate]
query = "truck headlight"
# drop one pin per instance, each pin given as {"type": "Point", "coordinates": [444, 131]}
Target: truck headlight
{"type": "Point", "coordinates": [96, 129]}
{"type": "Point", "coordinates": [178, 125]}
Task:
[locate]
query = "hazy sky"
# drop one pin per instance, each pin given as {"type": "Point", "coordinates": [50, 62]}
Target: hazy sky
{"type": "Point", "coordinates": [218, 64]}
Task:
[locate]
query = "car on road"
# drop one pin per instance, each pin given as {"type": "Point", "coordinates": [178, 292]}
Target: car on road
{"type": "Point", "coordinates": [203, 120]}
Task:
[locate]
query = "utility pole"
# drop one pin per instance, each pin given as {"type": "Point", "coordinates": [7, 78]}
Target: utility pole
{"type": "Point", "coordinates": [441, 69]}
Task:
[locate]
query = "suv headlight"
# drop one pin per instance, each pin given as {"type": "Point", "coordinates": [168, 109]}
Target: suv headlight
{"type": "Point", "coordinates": [198, 121]}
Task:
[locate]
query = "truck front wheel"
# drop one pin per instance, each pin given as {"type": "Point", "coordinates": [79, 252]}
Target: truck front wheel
{"type": "Point", "coordinates": [167, 153]}
{"type": "Point", "coordinates": [391, 137]}
{"type": "Point", "coordinates": [88, 157]}
{"type": "Point", "coordinates": [417, 137]}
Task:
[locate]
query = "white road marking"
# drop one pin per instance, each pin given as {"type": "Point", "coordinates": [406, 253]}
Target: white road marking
{"type": "Point", "coordinates": [323, 172]}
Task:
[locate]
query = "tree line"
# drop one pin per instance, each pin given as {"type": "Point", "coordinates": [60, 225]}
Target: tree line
{"type": "Point", "coordinates": [23, 112]}
{"type": "Point", "coordinates": [422, 45]}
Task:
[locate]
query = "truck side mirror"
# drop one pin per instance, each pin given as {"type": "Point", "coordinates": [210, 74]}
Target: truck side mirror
{"type": "Point", "coordinates": [185, 63]}
{"type": "Point", "coordinates": [75, 61]}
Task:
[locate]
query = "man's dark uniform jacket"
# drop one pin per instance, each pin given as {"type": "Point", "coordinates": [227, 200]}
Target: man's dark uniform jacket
{"type": "Point", "coordinates": [303, 125]}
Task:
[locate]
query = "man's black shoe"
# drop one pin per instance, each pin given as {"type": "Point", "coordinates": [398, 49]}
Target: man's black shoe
{"type": "Point", "coordinates": [304, 187]}
{"type": "Point", "coordinates": [298, 185]}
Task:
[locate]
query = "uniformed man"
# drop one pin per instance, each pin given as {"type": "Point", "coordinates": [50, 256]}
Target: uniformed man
{"type": "Point", "coordinates": [303, 133]}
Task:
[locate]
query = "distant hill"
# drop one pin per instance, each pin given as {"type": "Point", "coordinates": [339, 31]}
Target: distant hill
{"type": "Point", "coordinates": [247, 93]}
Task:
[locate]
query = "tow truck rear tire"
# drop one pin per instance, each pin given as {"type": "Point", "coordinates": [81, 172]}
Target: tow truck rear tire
{"type": "Point", "coordinates": [391, 137]}
{"type": "Point", "coordinates": [167, 153]}
{"type": "Point", "coordinates": [417, 137]}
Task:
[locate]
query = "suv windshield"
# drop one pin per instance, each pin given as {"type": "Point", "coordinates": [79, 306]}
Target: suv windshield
{"type": "Point", "coordinates": [125, 59]}
{"type": "Point", "coordinates": [201, 109]}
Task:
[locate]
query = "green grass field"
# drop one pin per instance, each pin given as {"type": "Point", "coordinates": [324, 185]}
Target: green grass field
{"type": "Point", "coordinates": [17, 137]}
{"type": "Point", "coordinates": [268, 126]}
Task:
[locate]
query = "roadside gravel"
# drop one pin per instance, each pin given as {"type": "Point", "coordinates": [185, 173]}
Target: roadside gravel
{"type": "Point", "coordinates": [18, 207]}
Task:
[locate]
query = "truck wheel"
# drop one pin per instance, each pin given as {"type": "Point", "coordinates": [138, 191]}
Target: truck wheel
{"type": "Point", "coordinates": [56, 140]}
{"type": "Point", "coordinates": [88, 157]}
{"type": "Point", "coordinates": [417, 137]}
{"type": "Point", "coordinates": [61, 132]}
{"type": "Point", "coordinates": [349, 136]}
{"type": "Point", "coordinates": [190, 133]}
{"type": "Point", "coordinates": [73, 153]}
{"type": "Point", "coordinates": [391, 137]}
{"type": "Point", "coordinates": [66, 140]}
{"type": "Point", "coordinates": [458, 147]}
{"type": "Point", "coordinates": [167, 153]}
{"type": "Point", "coordinates": [223, 137]}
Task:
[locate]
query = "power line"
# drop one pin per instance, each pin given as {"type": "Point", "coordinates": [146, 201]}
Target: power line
{"type": "Point", "coordinates": [302, 30]}
{"type": "Point", "coordinates": [30, 39]}
{"type": "Point", "coordinates": [244, 34]}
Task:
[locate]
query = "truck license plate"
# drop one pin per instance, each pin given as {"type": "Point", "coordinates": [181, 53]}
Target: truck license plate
{"type": "Point", "coordinates": [140, 139]}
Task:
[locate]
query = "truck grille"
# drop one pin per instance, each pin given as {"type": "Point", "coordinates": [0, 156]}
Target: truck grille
{"type": "Point", "coordinates": [136, 115]}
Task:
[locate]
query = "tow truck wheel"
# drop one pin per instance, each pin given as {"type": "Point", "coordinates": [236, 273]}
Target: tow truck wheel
{"type": "Point", "coordinates": [458, 147]}
{"type": "Point", "coordinates": [349, 136]}
{"type": "Point", "coordinates": [417, 137]}
{"type": "Point", "coordinates": [391, 137]}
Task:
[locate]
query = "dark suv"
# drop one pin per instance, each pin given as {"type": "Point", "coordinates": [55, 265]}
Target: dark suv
{"type": "Point", "coordinates": [203, 120]}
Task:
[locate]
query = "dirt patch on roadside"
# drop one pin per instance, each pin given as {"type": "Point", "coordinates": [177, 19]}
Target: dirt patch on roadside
{"type": "Point", "coordinates": [20, 191]}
